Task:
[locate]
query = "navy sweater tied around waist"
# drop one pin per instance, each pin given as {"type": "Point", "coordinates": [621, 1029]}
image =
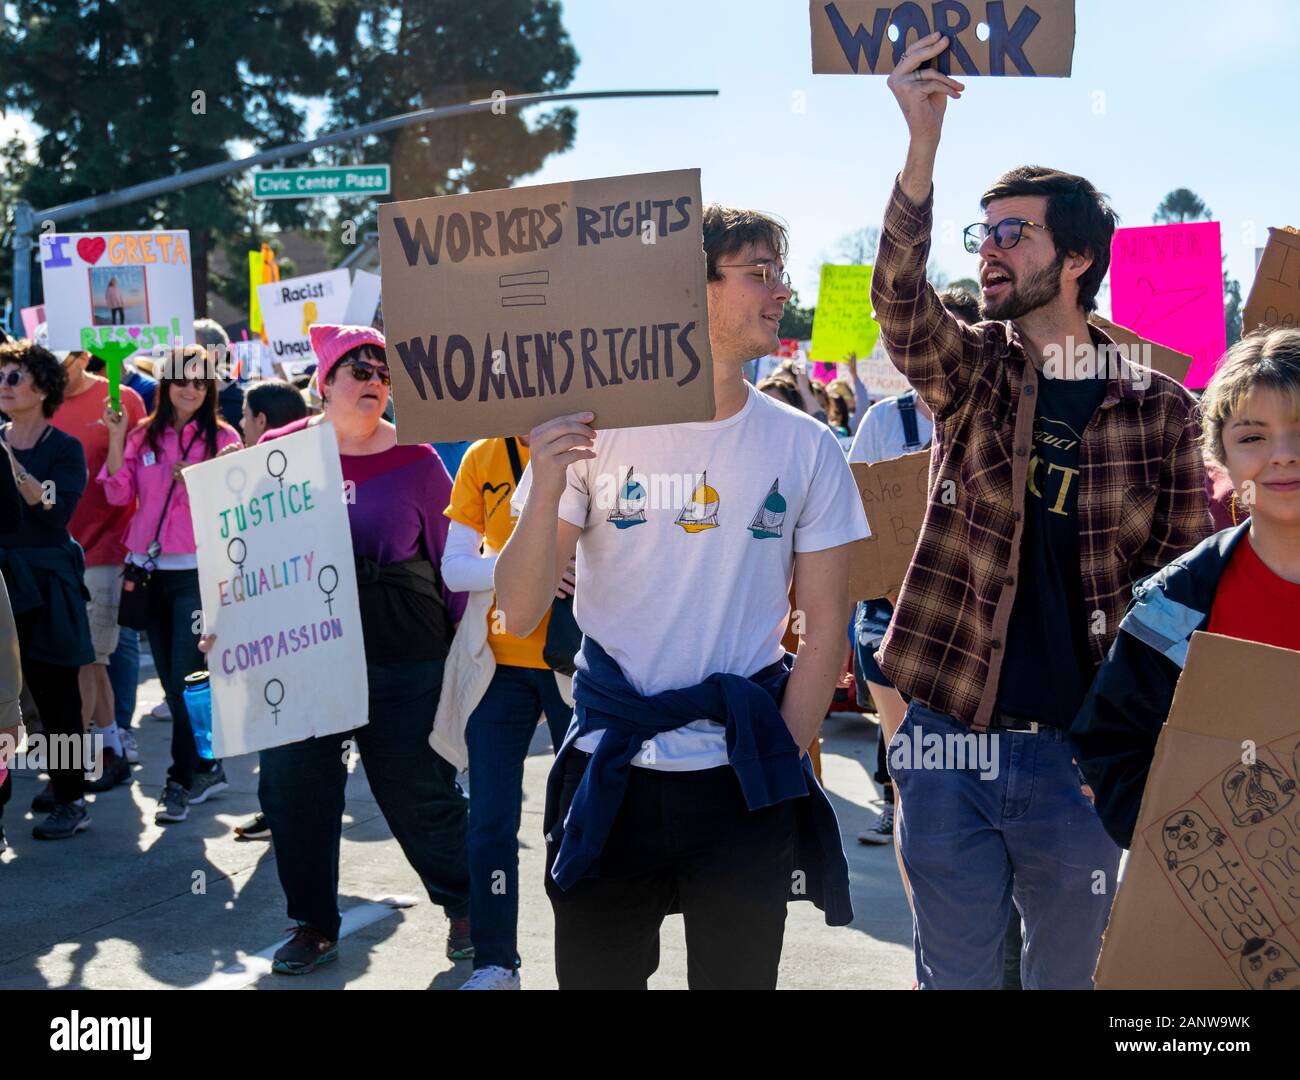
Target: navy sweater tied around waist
{"type": "Point", "coordinates": [760, 749]}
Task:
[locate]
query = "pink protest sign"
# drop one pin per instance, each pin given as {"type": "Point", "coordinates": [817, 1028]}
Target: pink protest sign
{"type": "Point", "coordinates": [32, 318]}
{"type": "Point", "coordinates": [1166, 284]}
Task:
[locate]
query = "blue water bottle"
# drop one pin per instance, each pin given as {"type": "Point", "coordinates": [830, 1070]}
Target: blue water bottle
{"type": "Point", "coordinates": [198, 704]}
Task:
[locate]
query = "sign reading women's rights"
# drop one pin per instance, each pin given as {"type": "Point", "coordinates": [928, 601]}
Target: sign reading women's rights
{"type": "Point", "coordinates": [129, 289]}
{"type": "Point", "coordinates": [279, 591]}
{"type": "Point", "coordinates": [290, 307]}
{"type": "Point", "coordinates": [504, 309]}
{"type": "Point", "coordinates": [1211, 892]}
{"type": "Point", "coordinates": [988, 37]}
{"type": "Point", "coordinates": [1166, 285]}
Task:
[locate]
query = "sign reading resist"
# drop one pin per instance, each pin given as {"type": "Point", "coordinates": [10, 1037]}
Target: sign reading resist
{"type": "Point", "coordinates": [504, 309]}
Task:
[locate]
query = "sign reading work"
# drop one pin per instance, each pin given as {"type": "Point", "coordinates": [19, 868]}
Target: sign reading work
{"type": "Point", "coordinates": [504, 309]}
{"type": "Point", "coordinates": [318, 183]}
{"type": "Point", "coordinates": [279, 591]}
{"type": "Point", "coordinates": [988, 37]}
{"type": "Point", "coordinates": [894, 494]}
{"type": "Point", "coordinates": [1275, 295]}
{"type": "Point", "coordinates": [1209, 898]}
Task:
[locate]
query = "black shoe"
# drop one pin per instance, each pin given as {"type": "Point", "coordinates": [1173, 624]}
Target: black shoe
{"type": "Point", "coordinates": [116, 771]}
{"type": "Point", "coordinates": [65, 821]}
{"type": "Point", "coordinates": [304, 952]}
{"type": "Point", "coordinates": [173, 805]}
{"type": "Point", "coordinates": [255, 828]}
{"type": "Point", "coordinates": [212, 782]}
{"type": "Point", "coordinates": [45, 802]}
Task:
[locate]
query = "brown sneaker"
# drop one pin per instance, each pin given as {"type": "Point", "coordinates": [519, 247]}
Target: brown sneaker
{"type": "Point", "coordinates": [305, 951]}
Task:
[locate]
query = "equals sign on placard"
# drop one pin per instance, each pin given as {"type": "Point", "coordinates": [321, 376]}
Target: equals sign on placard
{"type": "Point", "coordinates": [533, 278]}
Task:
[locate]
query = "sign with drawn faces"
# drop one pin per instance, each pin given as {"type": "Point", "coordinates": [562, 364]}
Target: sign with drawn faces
{"type": "Point", "coordinates": [1211, 894]}
{"type": "Point", "coordinates": [279, 591]}
{"type": "Point", "coordinates": [505, 309]}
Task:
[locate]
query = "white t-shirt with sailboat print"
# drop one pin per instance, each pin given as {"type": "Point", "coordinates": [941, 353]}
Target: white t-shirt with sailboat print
{"type": "Point", "coordinates": [687, 551]}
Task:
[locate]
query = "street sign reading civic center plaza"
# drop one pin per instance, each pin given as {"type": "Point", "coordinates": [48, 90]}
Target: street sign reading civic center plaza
{"type": "Point", "coordinates": [318, 183]}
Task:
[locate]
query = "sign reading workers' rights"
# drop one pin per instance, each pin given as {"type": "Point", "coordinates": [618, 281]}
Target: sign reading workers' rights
{"type": "Point", "coordinates": [894, 494]}
{"type": "Point", "coordinates": [988, 37]}
{"type": "Point", "coordinates": [279, 591]}
{"type": "Point", "coordinates": [504, 309]}
{"type": "Point", "coordinates": [129, 288]}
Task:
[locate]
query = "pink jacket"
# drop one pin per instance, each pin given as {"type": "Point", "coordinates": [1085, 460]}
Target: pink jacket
{"type": "Point", "coordinates": [147, 476]}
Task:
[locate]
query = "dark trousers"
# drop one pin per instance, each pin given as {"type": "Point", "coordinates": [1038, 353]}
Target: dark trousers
{"type": "Point", "coordinates": [301, 789]}
{"type": "Point", "coordinates": [58, 699]}
{"type": "Point", "coordinates": [174, 618]}
{"type": "Point", "coordinates": [497, 737]}
{"type": "Point", "coordinates": [682, 841]}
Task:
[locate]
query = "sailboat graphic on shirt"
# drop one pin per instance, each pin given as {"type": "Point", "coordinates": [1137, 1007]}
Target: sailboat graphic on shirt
{"type": "Point", "coordinates": [629, 509]}
{"type": "Point", "coordinates": [701, 511]}
{"type": "Point", "coordinates": [770, 518]}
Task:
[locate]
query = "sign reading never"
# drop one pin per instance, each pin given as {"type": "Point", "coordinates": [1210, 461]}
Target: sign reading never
{"type": "Point", "coordinates": [988, 37]}
{"type": "Point", "coordinates": [504, 309]}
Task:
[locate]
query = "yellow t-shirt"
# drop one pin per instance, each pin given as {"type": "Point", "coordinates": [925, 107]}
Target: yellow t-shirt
{"type": "Point", "coordinates": [480, 500]}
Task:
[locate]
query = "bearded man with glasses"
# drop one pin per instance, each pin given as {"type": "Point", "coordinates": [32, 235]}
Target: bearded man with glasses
{"type": "Point", "coordinates": [1055, 486]}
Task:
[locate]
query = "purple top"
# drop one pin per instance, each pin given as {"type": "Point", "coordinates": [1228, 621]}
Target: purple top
{"type": "Point", "coordinates": [397, 512]}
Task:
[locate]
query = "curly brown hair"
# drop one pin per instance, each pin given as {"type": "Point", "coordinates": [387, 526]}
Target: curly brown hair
{"type": "Point", "coordinates": [48, 374]}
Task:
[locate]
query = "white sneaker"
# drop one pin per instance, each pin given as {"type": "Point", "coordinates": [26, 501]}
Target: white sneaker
{"type": "Point", "coordinates": [492, 977]}
{"type": "Point", "coordinates": [882, 832]}
{"type": "Point", "coordinates": [161, 711]}
{"type": "Point", "coordinates": [130, 749]}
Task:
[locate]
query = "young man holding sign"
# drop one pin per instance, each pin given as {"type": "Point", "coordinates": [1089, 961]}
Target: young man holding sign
{"type": "Point", "coordinates": [683, 784]}
{"type": "Point", "coordinates": [1052, 492]}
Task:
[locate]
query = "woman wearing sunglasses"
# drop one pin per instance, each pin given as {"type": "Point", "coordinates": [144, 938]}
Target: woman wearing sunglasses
{"type": "Point", "coordinates": [147, 464]}
{"type": "Point", "coordinates": [43, 568]}
{"type": "Point", "coordinates": [395, 496]}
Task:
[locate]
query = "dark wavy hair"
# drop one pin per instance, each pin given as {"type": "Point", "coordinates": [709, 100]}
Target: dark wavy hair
{"type": "Point", "coordinates": [727, 231]}
{"type": "Point", "coordinates": [174, 368]}
{"type": "Point", "coordinates": [1079, 218]}
{"type": "Point", "coordinates": [48, 375]}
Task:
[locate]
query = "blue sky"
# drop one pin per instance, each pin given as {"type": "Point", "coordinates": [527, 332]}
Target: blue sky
{"type": "Point", "coordinates": [1165, 94]}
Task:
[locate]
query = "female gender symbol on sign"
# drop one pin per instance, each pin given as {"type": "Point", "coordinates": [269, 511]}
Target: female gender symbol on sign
{"type": "Point", "coordinates": [237, 552]}
{"type": "Point", "coordinates": [276, 460]}
{"type": "Point", "coordinates": [273, 693]}
{"type": "Point", "coordinates": [327, 580]}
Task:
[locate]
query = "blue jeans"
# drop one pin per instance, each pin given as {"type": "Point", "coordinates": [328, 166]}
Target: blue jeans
{"type": "Point", "coordinates": [974, 842]}
{"type": "Point", "coordinates": [124, 675]}
{"type": "Point", "coordinates": [497, 736]}
{"type": "Point", "coordinates": [301, 789]}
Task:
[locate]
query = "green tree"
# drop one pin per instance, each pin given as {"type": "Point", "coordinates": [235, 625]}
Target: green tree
{"type": "Point", "coordinates": [796, 321]}
{"type": "Point", "coordinates": [1183, 204]}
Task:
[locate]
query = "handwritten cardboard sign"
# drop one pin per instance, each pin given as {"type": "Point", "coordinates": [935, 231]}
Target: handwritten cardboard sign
{"type": "Point", "coordinates": [1138, 350]}
{"type": "Point", "coordinates": [989, 37]}
{"type": "Point", "coordinates": [279, 589]}
{"type": "Point", "coordinates": [1275, 294]}
{"type": "Point", "coordinates": [1166, 284]}
{"type": "Point", "coordinates": [1210, 897]}
{"type": "Point", "coordinates": [504, 309]}
{"type": "Point", "coordinates": [290, 307]}
{"type": "Point", "coordinates": [132, 288]}
{"type": "Point", "coordinates": [879, 375]}
{"type": "Point", "coordinates": [843, 322]}
{"type": "Point", "coordinates": [894, 495]}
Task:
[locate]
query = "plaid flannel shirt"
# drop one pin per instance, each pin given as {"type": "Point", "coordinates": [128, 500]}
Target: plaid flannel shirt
{"type": "Point", "coordinates": [1141, 501]}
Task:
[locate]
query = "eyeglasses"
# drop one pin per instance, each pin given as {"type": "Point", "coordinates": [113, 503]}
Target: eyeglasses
{"type": "Point", "coordinates": [14, 377]}
{"type": "Point", "coordinates": [363, 372]}
{"type": "Point", "coordinates": [773, 275]}
{"type": "Point", "coordinates": [1006, 233]}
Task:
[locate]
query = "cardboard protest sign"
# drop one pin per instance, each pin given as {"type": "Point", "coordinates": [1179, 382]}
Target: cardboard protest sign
{"type": "Point", "coordinates": [1137, 350]}
{"type": "Point", "coordinates": [843, 322]}
{"type": "Point", "coordinates": [363, 301]}
{"type": "Point", "coordinates": [1210, 897]}
{"type": "Point", "coordinates": [504, 309]}
{"type": "Point", "coordinates": [894, 495]}
{"type": "Point", "coordinates": [290, 307]}
{"type": "Point", "coordinates": [132, 288]}
{"type": "Point", "coordinates": [32, 318]}
{"type": "Point", "coordinates": [1166, 284]}
{"type": "Point", "coordinates": [1275, 294]}
{"type": "Point", "coordinates": [279, 590]}
{"type": "Point", "coordinates": [989, 37]}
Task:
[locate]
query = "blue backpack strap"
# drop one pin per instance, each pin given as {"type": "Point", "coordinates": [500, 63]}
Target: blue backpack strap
{"type": "Point", "coordinates": [907, 413]}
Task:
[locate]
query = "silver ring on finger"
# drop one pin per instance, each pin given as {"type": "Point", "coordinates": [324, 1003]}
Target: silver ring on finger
{"type": "Point", "coordinates": [919, 74]}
